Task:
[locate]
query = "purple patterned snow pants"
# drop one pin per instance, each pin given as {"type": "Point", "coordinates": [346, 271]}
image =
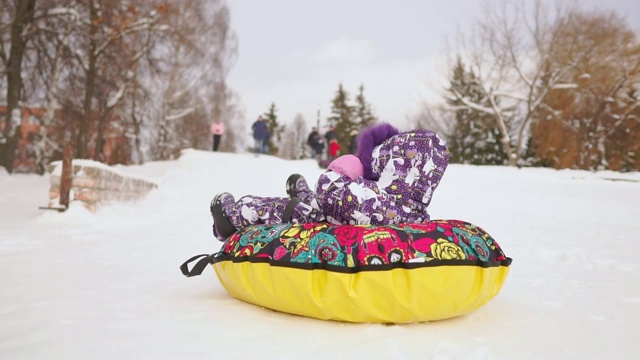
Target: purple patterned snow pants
{"type": "Point", "coordinates": [250, 210]}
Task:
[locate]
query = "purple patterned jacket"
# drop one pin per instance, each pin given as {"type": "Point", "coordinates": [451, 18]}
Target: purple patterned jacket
{"type": "Point", "coordinates": [401, 173]}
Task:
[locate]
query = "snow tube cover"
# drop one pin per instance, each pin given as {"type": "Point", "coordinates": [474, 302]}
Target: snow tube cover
{"type": "Point", "coordinates": [364, 273]}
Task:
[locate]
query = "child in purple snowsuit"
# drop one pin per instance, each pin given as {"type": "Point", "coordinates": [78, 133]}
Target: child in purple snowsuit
{"type": "Point", "coordinates": [391, 181]}
{"type": "Point", "coordinates": [401, 171]}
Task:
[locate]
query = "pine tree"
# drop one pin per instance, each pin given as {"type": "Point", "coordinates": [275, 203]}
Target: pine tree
{"type": "Point", "coordinates": [342, 117]}
{"type": "Point", "coordinates": [275, 130]}
{"type": "Point", "coordinates": [363, 113]}
{"type": "Point", "coordinates": [473, 140]}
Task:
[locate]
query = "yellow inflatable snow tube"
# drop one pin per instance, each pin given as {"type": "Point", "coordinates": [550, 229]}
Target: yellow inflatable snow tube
{"type": "Point", "coordinates": [383, 274]}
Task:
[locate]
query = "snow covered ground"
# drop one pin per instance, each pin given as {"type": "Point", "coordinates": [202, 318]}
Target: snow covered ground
{"type": "Point", "coordinates": [106, 285]}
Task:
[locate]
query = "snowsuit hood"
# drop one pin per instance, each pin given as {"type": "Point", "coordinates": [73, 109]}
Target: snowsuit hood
{"type": "Point", "coordinates": [370, 138]}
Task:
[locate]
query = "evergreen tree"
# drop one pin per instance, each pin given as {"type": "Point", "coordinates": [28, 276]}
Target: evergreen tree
{"type": "Point", "coordinates": [342, 117]}
{"type": "Point", "coordinates": [275, 130]}
{"type": "Point", "coordinates": [474, 140]}
{"type": "Point", "coordinates": [363, 113]}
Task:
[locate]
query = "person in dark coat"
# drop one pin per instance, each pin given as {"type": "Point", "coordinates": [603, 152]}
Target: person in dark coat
{"type": "Point", "coordinates": [315, 143]}
{"type": "Point", "coordinates": [260, 136]}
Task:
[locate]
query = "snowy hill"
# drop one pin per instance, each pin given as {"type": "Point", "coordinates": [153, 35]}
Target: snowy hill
{"type": "Point", "coordinates": [106, 285]}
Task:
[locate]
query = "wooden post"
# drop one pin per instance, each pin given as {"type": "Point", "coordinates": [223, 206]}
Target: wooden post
{"type": "Point", "coordinates": [65, 179]}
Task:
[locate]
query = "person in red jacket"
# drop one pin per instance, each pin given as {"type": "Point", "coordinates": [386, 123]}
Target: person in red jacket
{"type": "Point", "coordinates": [334, 149]}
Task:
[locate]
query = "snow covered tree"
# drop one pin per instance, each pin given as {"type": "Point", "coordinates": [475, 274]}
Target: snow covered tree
{"type": "Point", "coordinates": [186, 82]}
{"type": "Point", "coordinates": [51, 64]}
{"type": "Point", "coordinates": [509, 50]}
{"type": "Point", "coordinates": [474, 139]}
{"type": "Point", "coordinates": [103, 51]}
{"type": "Point", "coordinates": [153, 71]}
{"type": "Point", "coordinates": [593, 125]}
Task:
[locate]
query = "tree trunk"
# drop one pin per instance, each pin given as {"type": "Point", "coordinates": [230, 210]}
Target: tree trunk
{"type": "Point", "coordinates": [100, 138]}
{"type": "Point", "coordinates": [24, 16]}
{"type": "Point", "coordinates": [66, 178]}
{"type": "Point", "coordinates": [512, 157]}
{"type": "Point", "coordinates": [46, 146]}
{"type": "Point", "coordinates": [136, 126]}
{"type": "Point", "coordinates": [90, 81]}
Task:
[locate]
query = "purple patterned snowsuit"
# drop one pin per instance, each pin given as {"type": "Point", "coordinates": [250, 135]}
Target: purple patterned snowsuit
{"type": "Point", "coordinates": [408, 166]}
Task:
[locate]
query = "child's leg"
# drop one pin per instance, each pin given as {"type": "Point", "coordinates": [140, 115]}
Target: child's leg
{"type": "Point", "coordinates": [308, 209]}
{"type": "Point", "coordinates": [222, 227]}
{"type": "Point", "coordinates": [250, 210]}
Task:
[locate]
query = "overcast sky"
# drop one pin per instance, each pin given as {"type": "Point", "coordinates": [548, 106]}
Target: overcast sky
{"type": "Point", "coordinates": [294, 53]}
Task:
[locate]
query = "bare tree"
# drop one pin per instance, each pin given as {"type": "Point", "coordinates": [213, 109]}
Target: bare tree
{"type": "Point", "coordinates": [509, 50]}
{"type": "Point", "coordinates": [191, 82]}
{"type": "Point", "coordinates": [596, 123]}
{"type": "Point", "coordinates": [152, 70]}
{"type": "Point", "coordinates": [52, 61]}
{"type": "Point", "coordinates": [24, 11]}
{"type": "Point", "coordinates": [106, 57]}
{"type": "Point", "coordinates": [437, 118]}
{"type": "Point", "coordinates": [294, 140]}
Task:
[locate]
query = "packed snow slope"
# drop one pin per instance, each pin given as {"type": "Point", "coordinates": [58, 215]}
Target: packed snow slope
{"type": "Point", "coordinates": [106, 285]}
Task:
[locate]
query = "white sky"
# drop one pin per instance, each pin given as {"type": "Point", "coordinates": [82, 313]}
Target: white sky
{"type": "Point", "coordinates": [106, 285]}
{"type": "Point", "coordinates": [295, 53]}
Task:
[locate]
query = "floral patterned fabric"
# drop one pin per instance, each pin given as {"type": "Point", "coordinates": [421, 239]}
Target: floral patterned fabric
{"type": "Point", "coordinates": [357, 245]}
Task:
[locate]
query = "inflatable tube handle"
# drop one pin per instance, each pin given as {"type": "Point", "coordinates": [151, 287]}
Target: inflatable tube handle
{"type": "Point", "coordinates": [198, 268]}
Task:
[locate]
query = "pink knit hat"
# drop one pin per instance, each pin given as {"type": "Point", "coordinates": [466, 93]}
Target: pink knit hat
{"type": "Point", "coordinates": [348, 165]}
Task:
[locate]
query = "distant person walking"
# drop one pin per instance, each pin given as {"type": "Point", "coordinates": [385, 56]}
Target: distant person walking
{"type": "Point", "coordinates": [217, 129]}
{"type": "Point", "coordinates": [260, 136]}
{"type": "Point", "coordinates": [315, 143]}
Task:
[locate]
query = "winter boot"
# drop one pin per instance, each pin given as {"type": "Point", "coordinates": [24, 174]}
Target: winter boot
{"type": "Point", "coordinates": [222, 226]}
{"type": "Point", "coordinates": [291, 185]}
{"type": "Point", "coordinates": [296, 184]}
